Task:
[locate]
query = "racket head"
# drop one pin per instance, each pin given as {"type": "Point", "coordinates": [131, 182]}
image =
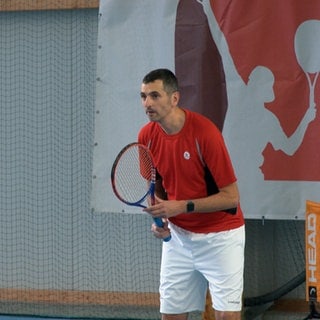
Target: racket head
{"type": "Point", "coordinates": [133, 175]}
{"type": "Point", "coordinates": [306, 43]}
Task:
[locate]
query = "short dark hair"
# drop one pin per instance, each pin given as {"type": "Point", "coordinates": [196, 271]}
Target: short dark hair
{"type": "Point", "coordinates": [169, 80]}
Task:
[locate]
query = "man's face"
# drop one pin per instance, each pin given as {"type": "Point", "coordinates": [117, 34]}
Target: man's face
{"type": "Point", "coordinates": [156, 102]}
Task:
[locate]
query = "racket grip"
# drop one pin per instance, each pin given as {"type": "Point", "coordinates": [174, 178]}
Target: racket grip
{"type": "Point", "coordinates": [159, 223]}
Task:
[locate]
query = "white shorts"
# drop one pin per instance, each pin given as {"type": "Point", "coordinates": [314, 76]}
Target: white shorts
{"type": "Point", "coordinates": [191, 261]}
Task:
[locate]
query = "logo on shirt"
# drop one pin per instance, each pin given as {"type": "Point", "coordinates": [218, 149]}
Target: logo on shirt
{"type": "Point", "coordinates": [186, 155]}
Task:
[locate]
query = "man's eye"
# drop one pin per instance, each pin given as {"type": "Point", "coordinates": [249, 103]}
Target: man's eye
{"type": "Point", "coordinates": [154, 95]}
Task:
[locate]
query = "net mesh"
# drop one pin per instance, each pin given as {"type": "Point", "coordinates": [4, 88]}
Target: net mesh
{"type": "Point", "coordinates": [57, 258]}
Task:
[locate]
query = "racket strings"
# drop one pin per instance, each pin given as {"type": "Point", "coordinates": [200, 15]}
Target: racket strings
{"type": "Point", "coordinates": [133, 174]}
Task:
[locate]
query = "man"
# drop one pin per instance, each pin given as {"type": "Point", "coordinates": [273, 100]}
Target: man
{"type": "Point", "coordinates": [200, 207]}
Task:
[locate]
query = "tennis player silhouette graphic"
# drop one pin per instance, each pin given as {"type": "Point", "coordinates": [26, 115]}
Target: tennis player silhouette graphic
{"type": "Point", "coordinates": [250, 127]}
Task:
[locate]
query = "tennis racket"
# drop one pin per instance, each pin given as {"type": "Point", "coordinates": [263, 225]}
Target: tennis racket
{"type": "Point", "coordinates": [306, 44]}
{"type": "Point", "coordinates": [133, 177]}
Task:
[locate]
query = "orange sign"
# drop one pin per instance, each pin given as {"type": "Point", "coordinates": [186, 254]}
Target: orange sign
{"type": "Point", "coordinates": [312, 227]}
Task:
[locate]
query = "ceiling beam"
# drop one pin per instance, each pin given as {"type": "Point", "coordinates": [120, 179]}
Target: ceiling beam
{"type": "Point", "coordinates": [27, 5]}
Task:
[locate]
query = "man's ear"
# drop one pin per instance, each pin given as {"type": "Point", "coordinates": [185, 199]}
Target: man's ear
{"type": "Point", "coordinates": [175, 97]}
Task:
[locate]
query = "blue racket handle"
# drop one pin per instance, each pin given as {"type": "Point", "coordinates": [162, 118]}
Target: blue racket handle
{"type": "Point", "coordinates": [159, 223]}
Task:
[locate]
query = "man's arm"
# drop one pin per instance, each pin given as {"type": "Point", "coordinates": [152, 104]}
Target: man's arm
{"type": "Point", "coordinates": [226, 198]}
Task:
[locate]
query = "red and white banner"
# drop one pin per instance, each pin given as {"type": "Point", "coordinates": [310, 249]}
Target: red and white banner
{"type": "Point", "coordinates": [250, 67]}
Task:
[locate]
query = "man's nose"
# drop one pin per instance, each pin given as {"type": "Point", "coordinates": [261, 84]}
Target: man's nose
{"type": "Point", "coordinates": [147, 101]}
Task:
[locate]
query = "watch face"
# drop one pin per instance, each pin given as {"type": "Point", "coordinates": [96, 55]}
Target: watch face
{"type": "Point", "coordinates": [190, 206]}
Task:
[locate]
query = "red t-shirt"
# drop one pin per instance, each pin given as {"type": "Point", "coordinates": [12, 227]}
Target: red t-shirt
{"type": "Point", "coordinates": [181, 159]}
